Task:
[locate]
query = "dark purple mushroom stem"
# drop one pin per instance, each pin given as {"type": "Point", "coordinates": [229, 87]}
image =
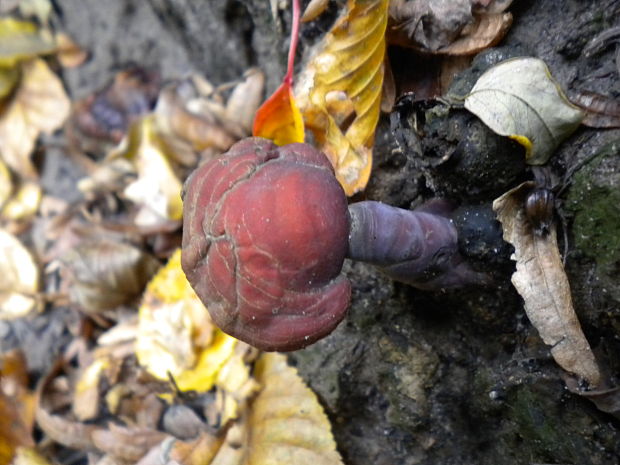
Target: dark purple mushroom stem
{"type": "Point", "coordinates": [418, 248]}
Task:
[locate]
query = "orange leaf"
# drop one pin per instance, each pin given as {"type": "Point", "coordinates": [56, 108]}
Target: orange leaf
{"type": "Point", "coordinates": [279, 118]}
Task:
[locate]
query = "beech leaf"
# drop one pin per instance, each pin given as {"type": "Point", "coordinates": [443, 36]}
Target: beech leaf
{"type": "Point", "coordinates": [339, 90]}
{"type": "Point", "coordinates": [285, 424]}
{"type": "Point", "coordinates": [542, 282]}
{"type": "Point", "coordinates": [519, 98]}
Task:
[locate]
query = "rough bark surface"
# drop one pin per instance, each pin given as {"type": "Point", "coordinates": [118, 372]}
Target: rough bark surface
{"type": "Point", "coordinates": [410, 376]}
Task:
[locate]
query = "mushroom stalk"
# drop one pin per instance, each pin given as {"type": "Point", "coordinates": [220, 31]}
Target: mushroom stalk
{"type": "Point", "coordinates": [418, 248]}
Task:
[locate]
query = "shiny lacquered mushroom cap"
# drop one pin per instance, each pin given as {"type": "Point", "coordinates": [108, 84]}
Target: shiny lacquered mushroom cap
{"type": "Point", "coordinates": [265, 234]}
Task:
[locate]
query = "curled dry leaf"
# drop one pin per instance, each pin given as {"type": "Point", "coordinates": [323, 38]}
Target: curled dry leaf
{"type": "Point", "coordinates": [601, 111]}
{"type": "Point", "coordinates": [107, 114]}
{"type": "Point", "coordinates": [461, 27]}
{"type": "Point", "coordinates": [541, 281]}
{"type": "Point", "coordinates": [104, 274]}
{"type": "Point", "coordinates": [69, 53]}
{"type": "Point", "coordinates": [175, 333]}
{"type": "Point", "coordinates": [38, 105]}
{"type": "Point", "coordinates": [126, 444]}
{"type": "Point", "coordinates": [519, 98]}
{"type": "Point", "coordinates": [20, 278]}
{"type": "Point", "coordinates": [339, 90]}
{"type": "Point", "coordinates": [157, 190]}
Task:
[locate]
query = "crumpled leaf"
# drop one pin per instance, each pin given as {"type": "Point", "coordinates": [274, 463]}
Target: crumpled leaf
{"type": "Point", "coordinates": [157, 190]}
{"type": "Point", "coordinates": [38, 105]}
{"type": "Point", "coordinates": [175, 333]}
{"type": "Point", "coordinates": [20, 278]}
{"type": "Point", "coordinates": [104, 274]}
{"type": "Point", "coordinates": [22, 40]}
{"type": "Point", "coordinates": [285, 424]}
{"type": "Point", "coordinates": [339, 91]}
{"type": "Point", "coordinates": [279, 118]}
{"type": "Point", "coordinates": [6, 185]}
{"type": "Point", "coordinates": [449, 27]}
{"type": "Point", "coordinates": [542, 282]}
{"type": "Point", "coordinates": [519, 98]}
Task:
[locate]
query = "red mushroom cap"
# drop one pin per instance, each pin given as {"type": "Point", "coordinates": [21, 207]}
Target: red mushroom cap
{"type": "Point", "coordinates": [265, 234]}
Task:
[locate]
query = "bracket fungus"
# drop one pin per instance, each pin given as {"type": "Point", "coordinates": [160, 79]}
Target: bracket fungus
{"type": "Point", "coordinates": [266, 231]}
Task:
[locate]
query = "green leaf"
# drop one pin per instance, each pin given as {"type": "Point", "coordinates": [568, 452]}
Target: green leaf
{"type": "Point", "coordinates": [519, 98]}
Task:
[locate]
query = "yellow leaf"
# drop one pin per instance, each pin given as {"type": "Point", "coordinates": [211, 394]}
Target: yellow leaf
{"type": "Point", "coordinates": [279, 118]}
{"type": "Point", "coordinates": [20, 278]}
{"type": "Point", "coordinates": [339, 91]}
{"type": "Point", "coordinates": [39, 105]}
{"type": "Point", "coordinates": [285, 423]}
{"type": "Point", "coordinates": [158, 189]}
{"type": "Point", "coordinates": [24, 203]}
{"type": "Point", "coordinates": [22, 40]}
{"type": "Point", "coordinates": [175, 333]}
{"type": "Point", "coordinates": [28, 456]}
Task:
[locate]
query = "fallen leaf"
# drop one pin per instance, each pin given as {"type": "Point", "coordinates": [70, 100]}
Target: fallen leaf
{"type": "Point", "coordinates": [541, 281]}
{"type": "Point", "coordinates": [245, 99]}
{"type": "Point", "coordinates": [20, 278]}
{"type": "Point", "coordinates": [6, 185]}
{"type": "Point", "coordinates": [339, 90]}
{"type": "Point", "coordinates": [104, 273]}
{"type": "Point", "coordinates": [601, 111]}
{"type": "Point", "coordinates": [16, 406]}
{"type": "Point", "coordinates": [28, 456]}
{"type": "Point", "coordinates": [279, 118]}
{"type": "Point", "coordinates": [129, 444]}
{"type": "Point", "coordinates": [519, 98]}
{"type": "Point", "coordinates": [285, 423]}
{"type": "Point", "coordinates": [86, 402]}
{"type": "Point", "coordinates": [39, 105]}
{"type": "Point", "coordinates": [24, 202]}
{"type": "Point", "coordinates": [313, 9]}
{"type": "Point", "coordinates": [69, 53]}
{"type": "Point", "coordinates": [23, 40]}
{"type": "Point", "coordinates": [462, 27]}
{"type": "Point", "coordinates": [39, 9]}
{"type": "Point", "coordinates": [9, 77]}
{"type": "Point", "coordinates": [157, 190]}
{"type": "Point", "coordinates": [175, 334]}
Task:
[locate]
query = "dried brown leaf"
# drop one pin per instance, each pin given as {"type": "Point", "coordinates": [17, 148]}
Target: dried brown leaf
{"type": "Point", "coordinates": [105, 274]}
{"type": "Point", "coordinates": [245, 99]}
{"type": "Point", "coordinates": [68, 433]}
{"type": "Point", "coordinates": [486, 31]}
{"type": "Point", "coordinates": [69, 53]}
{"type": "Point", "coordinates": [542, 282]}
{"type": "Point", "coordinates": [601, 111]}
{"type": "Point", "coordinates": [38, 105]}
{"type": "Point", "coordinates": [129, 444]}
